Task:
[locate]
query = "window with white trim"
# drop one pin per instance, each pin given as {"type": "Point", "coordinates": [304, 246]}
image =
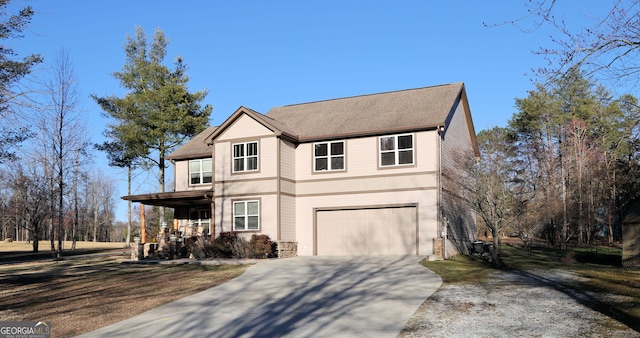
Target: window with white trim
{"type": "Point", "coordinates": [201, 219]}
{"type": "Point", "coordinates": [245, 156]}
{"type": "Point", "coordinates": [328, 156]}
{"type": "Point", "coordinates": [246, 215]}
{"type": "Point", "coordinates": [396, 150]}
{"type": "Point", "coordinates": [200, 171]}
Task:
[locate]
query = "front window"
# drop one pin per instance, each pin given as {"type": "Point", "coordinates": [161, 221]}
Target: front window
{"type": "Point", "coordinates": [200, 171]}
{"type": "Point", "coordinates": [245, 157]}
{"type": "Point", "coordinates": [328, 156]}
{"type": "Point", "coordinates": [201, 219]}
{"type": "Point", "coordinates": [396, 150]}
{"type": "Point", "coordinates": [246, 215]}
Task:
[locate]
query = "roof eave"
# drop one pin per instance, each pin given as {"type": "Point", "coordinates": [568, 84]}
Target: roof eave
{"type": "Point", "coordinates": [190, 156]}
{"type": "Point", "coordinates": [316, 138]}
{"type": "Point", "coordinates": [172, 199]}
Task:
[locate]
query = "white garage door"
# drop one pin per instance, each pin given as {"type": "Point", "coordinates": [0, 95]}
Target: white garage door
{"type": "Point", "coordinates": [366, 232]}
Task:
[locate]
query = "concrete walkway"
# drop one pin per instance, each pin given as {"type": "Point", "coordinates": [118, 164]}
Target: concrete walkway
{"type": "Point", "coordinates": [295, 297]}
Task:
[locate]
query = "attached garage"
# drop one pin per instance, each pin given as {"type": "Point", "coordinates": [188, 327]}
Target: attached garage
{"type": "Point", "coordinates": [367, 231]}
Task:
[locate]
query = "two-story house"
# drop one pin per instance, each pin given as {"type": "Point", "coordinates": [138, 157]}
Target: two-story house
{"type": "Point", "coordinates": [362, 175]}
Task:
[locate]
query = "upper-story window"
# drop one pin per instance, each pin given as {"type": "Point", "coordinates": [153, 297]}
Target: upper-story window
{"type": "Point", "coordinates": [245, 156]}
{"type": "Point", "coordinates": [200, 171]}
{"type": "Point", "coordinates": [396, 150]}
{"type": "Point", "coordinates": [328, 156]}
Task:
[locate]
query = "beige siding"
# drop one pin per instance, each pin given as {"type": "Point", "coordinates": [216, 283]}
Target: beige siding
{"type": "Point", "coordinates": [288, 187]}
{"type": "Point", "coordinates": [246, 187]}
{"type": "Point", "coordinates": [222, 161]}
{"type": "Point", "coordinates": [288, 218]}
{"type": "Point", "coordinates": [287, 160]}
{"type": "Point", "coordinates": [366, 184]}
{"type": "Point", "coordinates": [456, 140]}
{"type": "Point", "coordinates": [181, 173]}
{"type": "Point", "coordinates": [362, 158]}
{"type": "Point", "coordinates": [456, 144]}
{"type": "Point", "coordinates": [244, 127]}
{"type": "Point", "coordinates": [269, 157]}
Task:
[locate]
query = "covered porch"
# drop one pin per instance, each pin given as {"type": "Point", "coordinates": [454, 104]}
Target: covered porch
{"type": "Point", "coordinates": [192, 220]}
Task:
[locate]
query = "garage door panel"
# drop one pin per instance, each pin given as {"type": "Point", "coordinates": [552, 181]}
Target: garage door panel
{"type": "Point", "coordinates": [332, 238]}
{"type": "Point", "coordinates": [402, 231]}
{"type": "Point", "coordinates": [374, 231]}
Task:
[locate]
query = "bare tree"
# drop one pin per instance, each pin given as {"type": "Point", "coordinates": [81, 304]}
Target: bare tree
{"type": "Point", "coordinates": [29, 193]}
{"type": "Point", "coordinates": [491, 185]}
{"type": "Point", "coordinates": [608, 45]}
{"type": "Point", "coordinates": [63, 133]}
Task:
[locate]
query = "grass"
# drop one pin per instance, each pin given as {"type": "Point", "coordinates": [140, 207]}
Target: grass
{"type": "Point", "coordinates": [24, 247]}
{"type": "Point", "coordinates": [85, 293]}
{"type": "Point", "coordinates": [461, 269]}
{"type": "Point", "coordinates": [615, 290]}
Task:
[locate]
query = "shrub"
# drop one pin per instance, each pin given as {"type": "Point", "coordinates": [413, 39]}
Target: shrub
{"type": "Point", "coordinates": [223, 245]}
{"type": "Point", "coordinates": [194, 247]}
{"type": "Point", "coordinates": [230, 245]}
{"type": "Point", "coordinates": [261, 246]}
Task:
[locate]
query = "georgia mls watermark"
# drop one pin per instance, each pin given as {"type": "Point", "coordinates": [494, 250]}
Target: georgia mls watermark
{"type": "Point", "coordinates": [25, 329]}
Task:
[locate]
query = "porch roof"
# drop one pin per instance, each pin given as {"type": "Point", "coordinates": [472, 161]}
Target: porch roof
{"type": "Point", "coordinates": [173, 199]}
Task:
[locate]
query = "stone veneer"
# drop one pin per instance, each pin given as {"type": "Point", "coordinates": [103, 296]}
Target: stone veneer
{"type": "Point", "coordinates": [287, 249]}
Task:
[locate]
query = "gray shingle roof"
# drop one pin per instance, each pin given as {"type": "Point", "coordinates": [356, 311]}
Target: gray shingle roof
{"type": "Point", "coordinates": [404, 110]}
{"type": "Point", "coordinates": [369, 114]}
{"type": "Point", "coordinates": [195, 147]}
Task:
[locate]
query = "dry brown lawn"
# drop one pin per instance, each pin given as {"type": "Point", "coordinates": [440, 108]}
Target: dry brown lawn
{"type": "Point", "coordinates": [81, 294]}
{"type": "Point", "coordinates": [22, 246]}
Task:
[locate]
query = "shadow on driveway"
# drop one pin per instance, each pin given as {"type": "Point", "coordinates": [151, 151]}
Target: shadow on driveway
{"type": "Point", "coordinates": [296, 297]}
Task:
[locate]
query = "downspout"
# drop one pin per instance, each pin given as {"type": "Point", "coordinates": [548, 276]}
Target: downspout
{"type": "Point", "coordinates": [278, 189]}
{"type": "Point", "coordinates": [441, 228]}
{"type": "Point", "coordinates": [212, 206]}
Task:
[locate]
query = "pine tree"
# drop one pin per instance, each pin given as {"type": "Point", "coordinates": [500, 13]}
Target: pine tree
{"type": "Point", "coordinates": [158, 113]}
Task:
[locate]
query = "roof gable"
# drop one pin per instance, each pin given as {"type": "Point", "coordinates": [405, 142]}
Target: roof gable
{"type": "Point", "coordinates": [274, 126]}
{"type": "Point", "coordinates": [412, 109]}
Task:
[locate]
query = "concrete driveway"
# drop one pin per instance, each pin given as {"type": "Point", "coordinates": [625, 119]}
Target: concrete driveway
{"type": "Point", "coordinates": [295, 297]}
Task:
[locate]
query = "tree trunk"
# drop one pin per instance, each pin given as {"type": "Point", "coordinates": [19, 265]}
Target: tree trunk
{"type": "Point", "coordinates": [52, 236]}
{"type": "Point", "coordinates": [95, 221]}
{"type": "Point", "coordinates": [163, 220]}
{"type": "Point", "coordinates": [496, 246]}
{"type": "Point", "coordinates": [75, 204]}
{"type": "Point", "coordinates": [129, 205]}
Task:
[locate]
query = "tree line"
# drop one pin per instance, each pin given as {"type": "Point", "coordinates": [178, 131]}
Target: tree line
{"type": "Point", "coordinates": [567, 164]}
{"type": "Point", "coordinates": [50, 188]}
{"type": "Point", "coordinates": [563, 169]}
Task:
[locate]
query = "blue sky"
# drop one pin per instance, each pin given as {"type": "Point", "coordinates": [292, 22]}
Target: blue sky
{"type": "Point", "coordinates": [263, 54]}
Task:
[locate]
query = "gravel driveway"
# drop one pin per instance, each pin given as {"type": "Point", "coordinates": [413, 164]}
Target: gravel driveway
{"type": "Point", "coordinates": [519, 304]}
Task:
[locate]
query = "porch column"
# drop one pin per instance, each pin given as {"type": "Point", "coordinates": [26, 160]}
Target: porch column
{"type": "Point", "coordinates": [212, 220]}
{"type": "Point", "coordinates": [143, 225]}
